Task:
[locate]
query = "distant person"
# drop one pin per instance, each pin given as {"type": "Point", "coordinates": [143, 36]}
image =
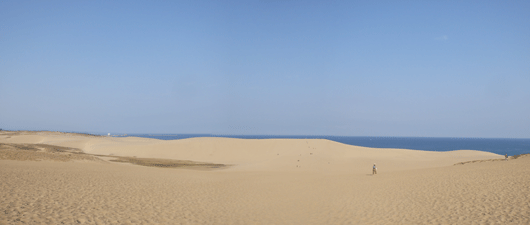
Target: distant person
{"type": "Point", "coordinates": [374, 171]}
{"type": "Point", "coordinates": [506, 157]}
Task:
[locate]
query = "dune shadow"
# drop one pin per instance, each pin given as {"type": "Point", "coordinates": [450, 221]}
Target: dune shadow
{"type": "Point", "coordinates": [168, 163]}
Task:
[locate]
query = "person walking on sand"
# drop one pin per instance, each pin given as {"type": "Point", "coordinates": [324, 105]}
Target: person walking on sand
{"type": "Point", "coordinates": [506, 157]}
{"type": "Point", "coordinates": [374, 171]}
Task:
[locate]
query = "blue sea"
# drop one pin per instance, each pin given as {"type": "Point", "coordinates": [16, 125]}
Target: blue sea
{"type": "Point", "coordinates": [501, 146]}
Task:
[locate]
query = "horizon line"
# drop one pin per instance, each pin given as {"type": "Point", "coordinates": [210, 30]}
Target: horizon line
{"type": "Point", "coordinates": [220, 135]}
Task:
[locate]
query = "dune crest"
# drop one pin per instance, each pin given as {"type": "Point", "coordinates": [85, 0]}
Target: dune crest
{"type": "Point", "coordinates": [259, 154]}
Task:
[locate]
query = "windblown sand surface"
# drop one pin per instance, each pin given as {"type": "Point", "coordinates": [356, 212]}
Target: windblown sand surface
{"type": "Point", "coordinates": [53, 178]}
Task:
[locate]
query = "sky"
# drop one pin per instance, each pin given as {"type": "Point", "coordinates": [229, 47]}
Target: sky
{"type": "Point", "coordinates": [278, 67]}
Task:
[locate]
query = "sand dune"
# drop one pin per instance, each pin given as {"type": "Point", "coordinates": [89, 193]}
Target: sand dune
{"type": "Point", "coordinates": [260, 155]}
{"type": "Point", "coordinates": [266, 184]}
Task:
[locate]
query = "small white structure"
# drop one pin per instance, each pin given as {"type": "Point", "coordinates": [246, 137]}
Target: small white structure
{"type": "Point", "coordinates": [108, 134]}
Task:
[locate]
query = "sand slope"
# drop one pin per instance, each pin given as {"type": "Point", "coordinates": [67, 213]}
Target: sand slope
{"type": "Point", "coordinates": [412, 187]}
{"type": "Point", "coordinates": [261, 155]}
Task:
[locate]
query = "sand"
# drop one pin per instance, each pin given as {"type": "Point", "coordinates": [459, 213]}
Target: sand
{"type": "Point", "coordinates": [260, 182]}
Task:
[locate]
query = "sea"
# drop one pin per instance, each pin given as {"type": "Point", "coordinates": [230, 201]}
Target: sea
{"type": "Point", "coordinates": [501, 146]}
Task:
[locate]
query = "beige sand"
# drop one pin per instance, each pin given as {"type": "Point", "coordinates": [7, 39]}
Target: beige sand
{"type": "Point", "coordinates": [268, 182]}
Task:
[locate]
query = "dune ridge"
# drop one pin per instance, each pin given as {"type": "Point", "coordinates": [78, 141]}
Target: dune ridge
{"type": "Point", "coordinates": [259, 154]}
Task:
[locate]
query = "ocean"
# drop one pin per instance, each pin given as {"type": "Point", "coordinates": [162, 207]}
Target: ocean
{"type": "Point", "coordinates": [501, 146]}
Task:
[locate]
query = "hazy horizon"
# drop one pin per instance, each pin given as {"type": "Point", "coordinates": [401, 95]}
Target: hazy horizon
{"type": "Point", "coordinates": [415, 69]}
{"type": "Point", "coordinates": [105, 133]}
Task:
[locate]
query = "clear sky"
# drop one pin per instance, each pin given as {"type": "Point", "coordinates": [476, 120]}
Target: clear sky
{"type": "Point", "coordinates": [353, 68]}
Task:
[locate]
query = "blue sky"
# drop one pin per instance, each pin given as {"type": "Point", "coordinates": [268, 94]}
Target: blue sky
{"type": "Point", "coordinates": [353, 68]}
